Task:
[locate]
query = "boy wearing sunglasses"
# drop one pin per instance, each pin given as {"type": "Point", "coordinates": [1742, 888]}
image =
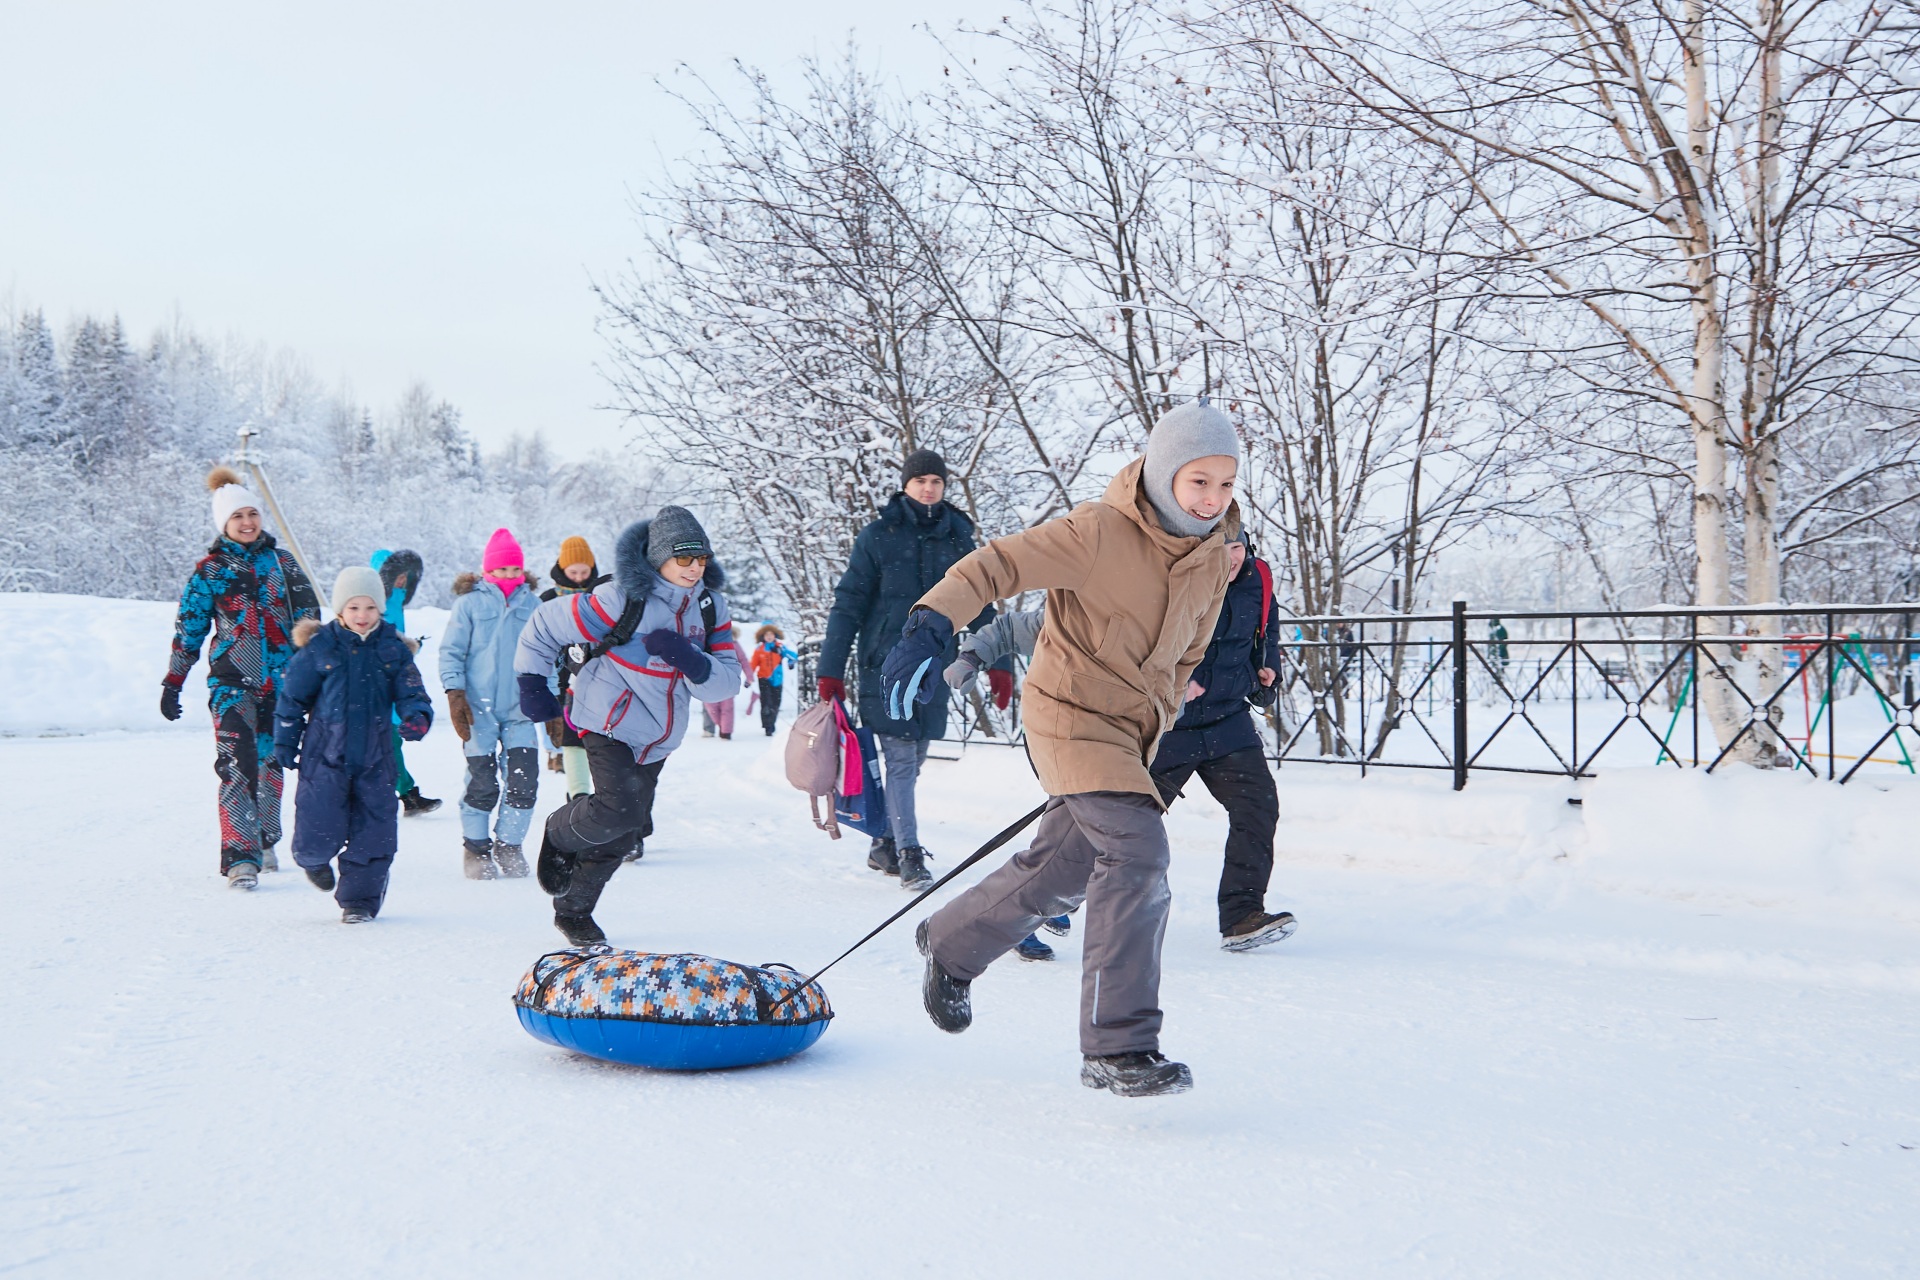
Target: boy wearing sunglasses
{"type": "Point", "coordinates": [668, 641]}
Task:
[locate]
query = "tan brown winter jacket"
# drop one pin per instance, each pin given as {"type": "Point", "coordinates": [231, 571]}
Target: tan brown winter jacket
{"type": "Point", "coordinates": [1130, 611]}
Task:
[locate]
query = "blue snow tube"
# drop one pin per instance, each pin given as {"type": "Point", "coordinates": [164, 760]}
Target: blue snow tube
{"type": "Point", "coordinates": [670, 1012]}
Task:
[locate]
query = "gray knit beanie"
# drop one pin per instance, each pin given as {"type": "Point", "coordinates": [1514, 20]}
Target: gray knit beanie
{"type": "Point", "coordinates": [1196, 430]}
{"type": "Point", "coordinates": [358, 580]}
{"type": "Point", "coordinates": [674, 532]}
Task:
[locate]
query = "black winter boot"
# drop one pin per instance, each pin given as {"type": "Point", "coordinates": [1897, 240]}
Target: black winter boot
{"type": "Point", "coordinates": [882, 856]}
{"type": "Point", "coordinates": [580, 931]}
{"type": "Point", "coordinates": [914, 875]}
{"type": "Point", "coordinates": [949, 1001]}
{"type": "Point", "coordinates": [1135, 1075]}
{"type": "Point", "coordinates": [321, 877]}
{"type": "Point", "coordinates": [555, 867]}
{"type": "Point", "coordinates": [414, 804]}
{"type": "Point", "coordinates": [636, 853]}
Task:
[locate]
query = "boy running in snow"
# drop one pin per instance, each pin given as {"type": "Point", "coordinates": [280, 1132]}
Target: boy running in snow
{"type": "Point", "coordinates": [668, 641]}
{"type": "Point", "coordinates": [770, 661]}
{"type": "Point", "coordinates": [476, 669]}
{"type": "Point", "coordinates": [1134, 584]}
{"type": "Point", "coordinates": [334, 723]}
{"type": "Point", "coordinates": [400, 574]}
{"type": "Point", "coordinates": [574, 571]}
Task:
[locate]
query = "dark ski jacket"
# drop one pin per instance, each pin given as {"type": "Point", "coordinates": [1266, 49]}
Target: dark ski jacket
{"type": "Point", "coordinates": [896, 560]}
{"type": "Point", "coordinates": [565, 586]}
{"type": "Point", "coordinates": [1218, 722]}
{"type": "Point", "coordinates": [339, 697]}
{"type": "Point", "coordinates": [250, 595]}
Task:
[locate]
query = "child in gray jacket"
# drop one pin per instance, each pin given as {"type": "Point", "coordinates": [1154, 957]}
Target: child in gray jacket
{"type": "Point", "coordinates": [632, 697]}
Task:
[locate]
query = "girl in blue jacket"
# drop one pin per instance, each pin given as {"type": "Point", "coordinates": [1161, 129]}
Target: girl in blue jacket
{"type": "Point", "coordinates": [483, 701]}
{"type": "Point", "coordinates": [631, 704]}
{"type": "Point", "coordinates": [333, 723]}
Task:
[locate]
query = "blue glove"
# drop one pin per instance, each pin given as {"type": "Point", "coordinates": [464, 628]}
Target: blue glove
{"type": "Point", "coordinates": [415, 726]}
{"type": "Point", "coordinates": [286, 754]}
{"type": "Point", "coordinates": [903, 676]}
{"type": "Point", "coordinates": [679, 652]}
{"type": "Point", "coordinates": [537, 702]}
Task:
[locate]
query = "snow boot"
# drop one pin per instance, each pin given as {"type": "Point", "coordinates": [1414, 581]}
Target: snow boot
{"type": "Point", "coordinates": [477, 859]}
{"type": "Point", "coordinates": [1135, 1075]}
{"type": "Point", "coordinates": [268, 862]}
{"type": "Point", "coordinates": [914, 875]}
{"type": "Point", "coordinates": [638, 852]}
{"type": "Point", "coordinates": [414, 804]}
{"type": "Point", "coordinates": [882, 856]}
{"type": "Point", "coordinates": [1058, 926]}
{"type": "Point", "coordinates": [554, 869]}
{"type": "Point", "coordinates": [1031, 948]}
{"type": "Point", "coordinates": [356, 915]}
{"type": "Point", "coordinates": [321, 877]}
{"type": "Point", "coordinates": [244, 876]}
{"type": "Point", "coordinates": [509, 860]}
{"type": "Point", "coordinates": [949, 1001]}
{"type": "Point", "coordinates": [1257, 930]}
{"type": "Point", "coordinates": [580, 931]}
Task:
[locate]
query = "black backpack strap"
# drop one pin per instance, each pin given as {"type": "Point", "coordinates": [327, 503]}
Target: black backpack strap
{"type": "Point", "coordinates": [575, 657]}
{"type": "Point", "coordinates": [709, 614]}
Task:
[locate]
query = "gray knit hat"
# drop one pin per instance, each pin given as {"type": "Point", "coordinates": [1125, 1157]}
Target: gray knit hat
{"type": "Point", "coordinates": [358, 580]}
{"type": "Point", "coordinates": [1196, 430]}
{"type": "Point", "coordinates": [674, 532]}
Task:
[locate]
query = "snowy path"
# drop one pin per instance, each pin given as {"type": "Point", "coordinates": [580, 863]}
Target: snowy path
{"type": "Point", "coordinates": [1431, 1079]}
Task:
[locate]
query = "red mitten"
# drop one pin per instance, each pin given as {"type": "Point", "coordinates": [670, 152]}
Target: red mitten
{"type": "Point", "coordinates": [829, 688]}
{"type": "Point", "coordinates": [1001, 682]}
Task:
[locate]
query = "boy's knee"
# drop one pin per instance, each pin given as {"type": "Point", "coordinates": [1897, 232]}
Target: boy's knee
{"type": "Point", "coordinates": [483, 783]}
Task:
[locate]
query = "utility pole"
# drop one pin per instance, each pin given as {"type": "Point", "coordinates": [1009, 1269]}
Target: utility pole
{"type": "Point", "coordinates": [249, 461]}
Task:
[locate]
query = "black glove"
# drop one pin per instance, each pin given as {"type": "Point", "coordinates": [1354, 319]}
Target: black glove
{"type": "Point", "coordinates": [170, 701]}
{"type": "Point", "coordinates": [286, 754]}
{"type": "Point", "coordinates": [536, 699]}
{"type": "Point", "coordinates": [680, 653]}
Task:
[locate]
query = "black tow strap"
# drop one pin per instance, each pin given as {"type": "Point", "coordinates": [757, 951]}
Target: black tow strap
{"type": "Point", "coordinates": [985, 849]}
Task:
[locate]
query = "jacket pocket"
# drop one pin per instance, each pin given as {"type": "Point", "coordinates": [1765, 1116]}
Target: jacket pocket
{"type": "Point", "coordinates": [618, 711]}
{"type": "Point", "coordinates": [1106, 697]}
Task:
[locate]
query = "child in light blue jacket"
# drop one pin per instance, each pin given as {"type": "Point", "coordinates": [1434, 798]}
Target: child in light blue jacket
{"type": "Point", "coordinates": [483, 700]}
{"type": "Point", "coordinates": [631, 702]}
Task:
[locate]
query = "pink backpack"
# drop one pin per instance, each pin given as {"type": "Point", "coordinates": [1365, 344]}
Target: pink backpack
{"type": "Point", "coordinates": [824, 759]}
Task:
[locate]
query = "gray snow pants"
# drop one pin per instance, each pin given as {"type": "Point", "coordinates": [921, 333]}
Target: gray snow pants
{"type": "Point", "coordinates": [1108, 848]}
{"type": "Point", "coordinates": [902, 758]}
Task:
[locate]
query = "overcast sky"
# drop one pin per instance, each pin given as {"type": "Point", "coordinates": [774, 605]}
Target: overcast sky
{"type": "Point", "coordinates": [396, 191]}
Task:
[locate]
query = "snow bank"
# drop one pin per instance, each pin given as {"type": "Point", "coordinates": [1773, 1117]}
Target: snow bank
{"type": "Point", "coordinates": [85, 664]}
{"type": "Point", "coordinates": [1737, 835]}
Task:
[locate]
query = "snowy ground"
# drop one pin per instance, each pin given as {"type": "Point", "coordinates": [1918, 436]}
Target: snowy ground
{"type": "Point", "coordinates": [1501, 1073]}
{"type": "Point", "coordinates": [1674, 1032]}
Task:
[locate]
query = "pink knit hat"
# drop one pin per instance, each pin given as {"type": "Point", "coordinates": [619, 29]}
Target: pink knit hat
{"type": "Point", "coordinates": [502, 551]}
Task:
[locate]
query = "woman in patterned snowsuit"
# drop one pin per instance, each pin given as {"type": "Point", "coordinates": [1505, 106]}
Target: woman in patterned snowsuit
{"type": "Point", "coordinates": [249, 593]}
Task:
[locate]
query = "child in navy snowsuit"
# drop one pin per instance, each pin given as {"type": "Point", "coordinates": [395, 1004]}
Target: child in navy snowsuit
{"type": "Point", "coordinates": [333, 723]}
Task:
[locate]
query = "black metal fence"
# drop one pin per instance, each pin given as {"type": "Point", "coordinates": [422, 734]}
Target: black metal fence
{"type": "Point", "coordinates": [1829, 689]}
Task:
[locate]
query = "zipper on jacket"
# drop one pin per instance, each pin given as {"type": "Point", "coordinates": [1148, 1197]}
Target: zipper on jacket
{"type": "Point", "coordinates": [672, 680]}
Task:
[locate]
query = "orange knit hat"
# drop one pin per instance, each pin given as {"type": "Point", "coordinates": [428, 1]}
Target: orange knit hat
{"type": "Point", "coordinates": [576, 551]}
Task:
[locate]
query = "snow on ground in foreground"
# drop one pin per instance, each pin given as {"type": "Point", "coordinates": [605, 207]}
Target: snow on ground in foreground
{"type": "Point", "coordinates": [1471, 1061]}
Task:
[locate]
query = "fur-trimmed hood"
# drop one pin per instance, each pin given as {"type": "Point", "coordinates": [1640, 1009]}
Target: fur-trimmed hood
{"type": "Point", "coordinates": [466, 582]}
{"type": "Point", "coordinates": [307, 628]}
{"type": "Point", "coordinates": [635, 577]}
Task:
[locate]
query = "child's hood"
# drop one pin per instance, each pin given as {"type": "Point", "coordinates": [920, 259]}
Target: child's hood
{"type": "Point", "coordinates": [307, 628]}
{"type": "Point", "coordinates": [638, 579]}
{"type": "Point", "coordinates": [466, 582]}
